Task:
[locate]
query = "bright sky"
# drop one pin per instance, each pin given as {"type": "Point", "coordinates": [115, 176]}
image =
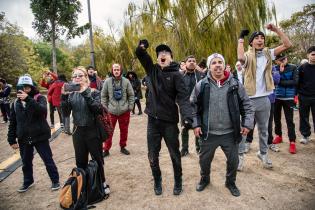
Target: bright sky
{"type": "Point", "coordinates": [19, 12]}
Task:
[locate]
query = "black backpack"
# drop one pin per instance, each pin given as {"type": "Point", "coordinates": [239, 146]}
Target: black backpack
{"type": "Point", "coordinates": [95, 188]}
{"type": "Point", "coordinates": [73, 195]}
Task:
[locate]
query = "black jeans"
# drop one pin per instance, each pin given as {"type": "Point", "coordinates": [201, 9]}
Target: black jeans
{"type": "Point", "coordinates": [307, 104]}
{"type": "Point", "coordinates": [250, 135]}
{"type": "Point", "coordinates": [5, 110]}
{"type": "Point", "coordinates": [230, 149]}
{"type": "Point", "coordinates": [185, 140]}
{"type": "Point", "coordinates": [85, 142]}
{"type": "Point", "coordinates": [27, 155]}
{"type": "Point", "coordinates": [137, 101]}
{"type": "Point", "coordinates": [158, 129]}
{"type": "Point", "coordinates": [288, 113]}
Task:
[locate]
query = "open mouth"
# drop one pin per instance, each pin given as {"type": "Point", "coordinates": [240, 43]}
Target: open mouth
{"type": "Point", "coordinates": [163, 60]}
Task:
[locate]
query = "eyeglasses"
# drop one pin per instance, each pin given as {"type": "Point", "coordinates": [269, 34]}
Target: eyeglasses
{"type": "Point", "coordinates": [77, 76]}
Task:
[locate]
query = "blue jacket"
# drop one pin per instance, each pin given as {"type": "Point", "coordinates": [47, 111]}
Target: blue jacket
{"type": "Point", "coordinates": [289, 79]}
{"type": "Point", "coordinates": [276, 80]}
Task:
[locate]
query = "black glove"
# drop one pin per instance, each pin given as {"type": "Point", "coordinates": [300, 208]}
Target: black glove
{"type": "Point", "coordinates": [144, 42]}
{"type": "Point", "coordinates": [244, 32]}
{"type": "Point", "coordinates": [187, 123]}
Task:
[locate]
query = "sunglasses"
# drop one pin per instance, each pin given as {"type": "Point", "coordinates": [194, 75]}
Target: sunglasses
{"type": "Point", "coordinates": [77, 76]}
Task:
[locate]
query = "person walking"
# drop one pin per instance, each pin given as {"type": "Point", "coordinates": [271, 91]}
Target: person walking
{"type": "Point", "coordinates": [136, 86]}
{"type": "Point", "coordinates": [5, 90]}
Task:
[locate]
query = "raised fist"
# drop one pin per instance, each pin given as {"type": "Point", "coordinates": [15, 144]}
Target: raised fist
{"type": "Point", "coordinates": [244, 32]}
{"type": "Point", "coordinates": [144, 43]}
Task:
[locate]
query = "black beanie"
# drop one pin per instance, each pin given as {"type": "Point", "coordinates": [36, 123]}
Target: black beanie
{"type": "Point", "coordinates": [252, 37]}
{"type": "Point", "coordinates": [163, 47]}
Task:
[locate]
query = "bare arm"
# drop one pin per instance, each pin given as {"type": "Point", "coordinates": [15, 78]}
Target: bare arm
{"type": "Point", "coordinates": [241, 51]}
{"type": "Point", "coordinates": [286, 43]}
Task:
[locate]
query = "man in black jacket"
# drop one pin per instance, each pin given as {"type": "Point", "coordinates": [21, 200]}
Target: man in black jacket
{"type": "Point", "coordinates": [166, 86]}
{"type": "Point", "coordinates": [29, 126]}
{"type": "Point", "coordinates": [191, 76]}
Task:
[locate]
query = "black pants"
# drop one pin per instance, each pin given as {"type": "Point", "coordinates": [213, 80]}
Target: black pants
{"type": "Point", "coordinates": [52, 110]}
{"type": "Point", "coordinates": [5, 110]}
{"type": "Point", "coordinates": [85, 142]}
{"type": "Point", "coordinates": [230, 149]}
{"type": "Point", "coordinates": [185, 140]}
{"type": "Point", "coordinates": [27, 155]}
{"type": "Point", "coordinates": [307, 104]}
{"type": "Point", "coordinates": [158, 129]}
{"type": "Point", "coordinates": [250, 135]}
{"type": "Point", "coordinates": [288, 113]}
{"type": "Point", "coordinates": [137, 101]}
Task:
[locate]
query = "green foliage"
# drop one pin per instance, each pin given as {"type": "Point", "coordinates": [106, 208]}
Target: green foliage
{"type": "Point", "coordinates": [301, 30]}
{"type": "Point", "coordinates": [17, 54]}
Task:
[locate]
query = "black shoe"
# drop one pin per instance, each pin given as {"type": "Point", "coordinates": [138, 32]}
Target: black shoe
{"type": "Point", "coordinates": [184, 152]}
{"type": "Point", "coordinates": [203, 183]}
{"type": "Point", "coordinates": [158, 186]}
{"type": "Point", "coordinates": [233, 189]}
{"type": "Point", "coordinates": [105, 153]}
{"type": "Point", "coordinates": [178, 188]}
{"type": "Point", "coordinates": [55, 186]}
{"type": "Point", "coordinates": [25, 188]}
{"type": "Point", "coordinates": [140, 113]}
{"type": "Point", "coordinates": [124, 151]}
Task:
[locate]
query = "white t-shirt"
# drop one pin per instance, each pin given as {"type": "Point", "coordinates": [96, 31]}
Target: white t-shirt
{"type": "Point", "coordinates": [261, 62]}
{"type": "Point", "coordinates": [240, 76]}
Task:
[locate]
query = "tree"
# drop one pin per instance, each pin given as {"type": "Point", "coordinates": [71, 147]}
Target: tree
{"type": "Point", "coordinates": [301, 30]}
{"type": "Point", "coordinates": [53, 18]}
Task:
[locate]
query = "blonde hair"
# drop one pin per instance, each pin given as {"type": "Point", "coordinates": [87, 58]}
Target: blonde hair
{"type": "Point", "coordinates": [83, 70]}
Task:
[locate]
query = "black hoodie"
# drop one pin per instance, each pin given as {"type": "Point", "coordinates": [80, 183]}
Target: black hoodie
{"type": "Point", "coordinates": [166, 87]}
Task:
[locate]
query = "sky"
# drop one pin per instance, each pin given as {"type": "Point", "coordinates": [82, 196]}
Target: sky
{"type": "Point", "coordinates": [19, 12]}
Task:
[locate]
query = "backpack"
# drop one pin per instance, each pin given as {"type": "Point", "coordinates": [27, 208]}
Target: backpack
{"type": "Point", "coordinates": [73, 195]}
{"type": "Point", "coordinates": [104, 124]}
{"type": "Point", "coordinates": [95, 188]}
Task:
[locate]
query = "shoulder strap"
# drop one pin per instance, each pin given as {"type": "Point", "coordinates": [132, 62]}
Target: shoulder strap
{"type": "Point", "coordinates": [36, 96]}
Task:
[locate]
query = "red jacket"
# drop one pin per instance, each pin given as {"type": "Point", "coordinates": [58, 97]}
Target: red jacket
{"type": "Point", "coordinates": [54, 92]}
{"type": "Point", "coordinates": [47, 85]}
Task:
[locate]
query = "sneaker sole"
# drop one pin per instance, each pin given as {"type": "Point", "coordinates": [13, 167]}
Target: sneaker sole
{"type": "Point", "coordinates": [22, 191]}
{"type": "Point", "coordinates": [55, 188]}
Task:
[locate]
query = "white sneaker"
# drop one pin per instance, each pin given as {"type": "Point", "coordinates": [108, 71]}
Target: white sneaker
{"type": "Point", "coordinates": [267, 163]}
{"type": "Point", "coordinates": [274, 148]}
{"type": "Point", "coordinates": [247, 147]}
{"type": "Point", "coordinates": [240, 162]}
{"type": "Point", "coordinates": [304, 139]}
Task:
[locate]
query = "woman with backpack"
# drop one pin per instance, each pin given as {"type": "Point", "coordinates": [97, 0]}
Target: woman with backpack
{"type": "Point", "coordinates": [85, 104]}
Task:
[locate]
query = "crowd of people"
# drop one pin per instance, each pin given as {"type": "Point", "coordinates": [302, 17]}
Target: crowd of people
{"type": "Point", "coordinates": [220, 104]}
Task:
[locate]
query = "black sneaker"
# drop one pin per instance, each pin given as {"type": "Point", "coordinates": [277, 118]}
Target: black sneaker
{"type": "Point", "coordinates": [105, 153]}
{"type": "Point", "coordinates": [158, 186]}
{"type": "Point", "coordinates": [203, 183]}
{"type": "Point", "coordinates": [25, 188]}
{"type": "Point", "coordinates": [124, 151]}
{"type": "Point", "coordinates": [233, 189]}
{"type": "Point", "coordinates": [140, 113]}
{"type": "Point", "coordinates": [55, 186]}
{"type": "Point", "coordinates": [184, 152]}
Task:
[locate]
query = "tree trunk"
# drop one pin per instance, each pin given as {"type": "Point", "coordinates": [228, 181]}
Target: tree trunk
{"type": "Point", "coordinates": [53, 40]}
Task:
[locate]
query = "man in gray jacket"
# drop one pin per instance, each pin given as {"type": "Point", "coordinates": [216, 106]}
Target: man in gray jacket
{"type": "Point", "coordinates": [219, 100]}
{"type": "Point", "coordinates": [118, 97]}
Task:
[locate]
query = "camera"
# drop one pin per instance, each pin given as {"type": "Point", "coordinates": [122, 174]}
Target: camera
{"type": "Point", "coordinates": [70, 87]}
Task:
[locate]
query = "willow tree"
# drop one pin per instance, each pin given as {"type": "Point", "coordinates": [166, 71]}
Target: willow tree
{"type": "Point", "coordinates": [53, 18]}
{"type": "Point", "coordinates": [198, 27]}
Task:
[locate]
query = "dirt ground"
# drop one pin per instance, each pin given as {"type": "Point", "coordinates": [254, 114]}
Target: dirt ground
{"type": "Point", "coordinates": [289, 185]}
